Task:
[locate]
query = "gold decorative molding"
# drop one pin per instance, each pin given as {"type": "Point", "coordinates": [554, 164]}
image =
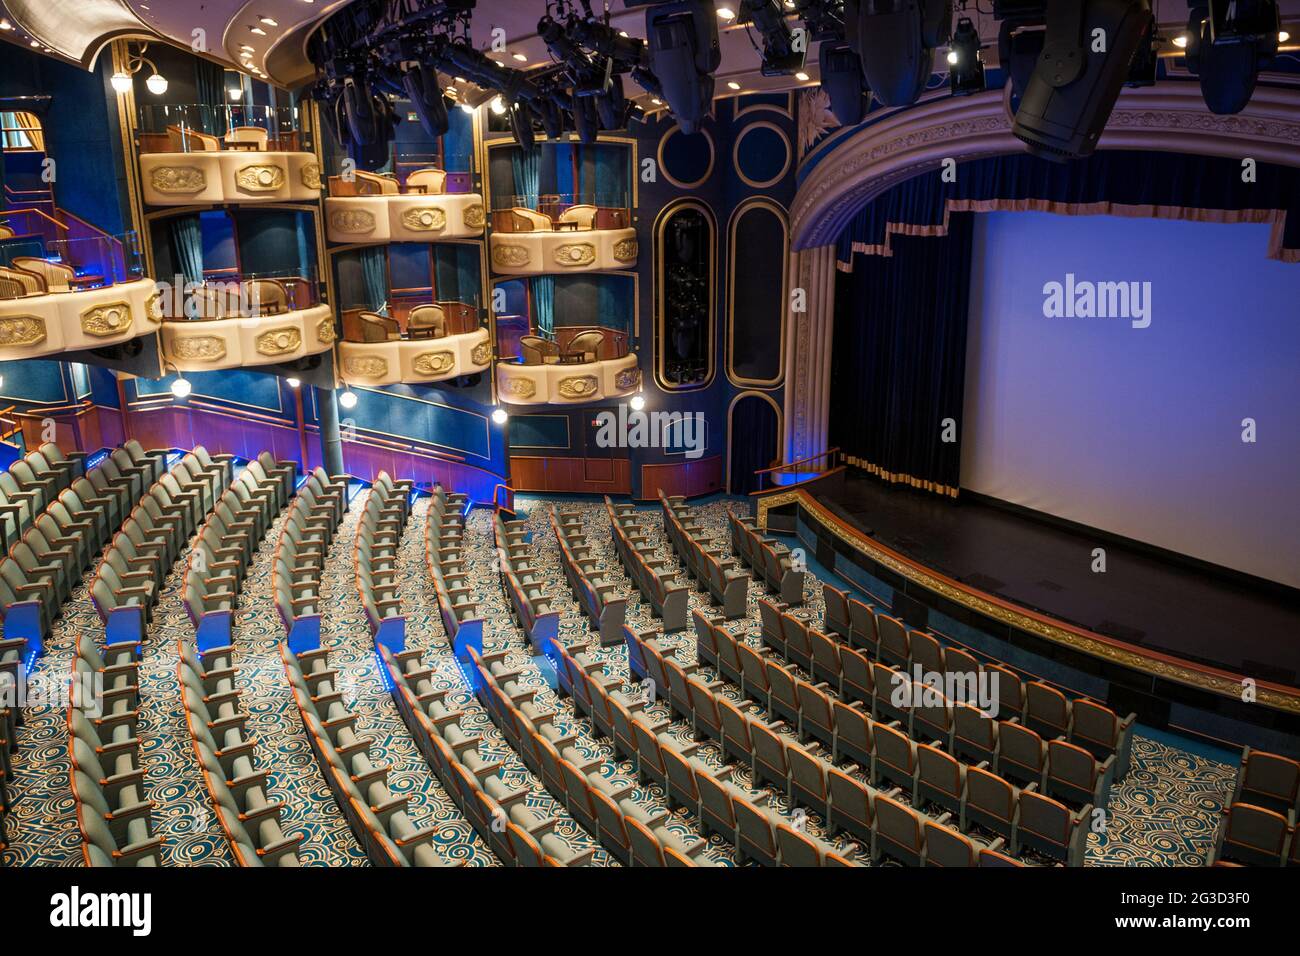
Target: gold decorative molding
{"type": "Point", "coordinates": [627, 378]}
{"type": "Point", "coordinates": [1218, 682]}
{"type": "Point", "coordinates": [482, 353]}
{"type": "Point", "coordinates": [474, 216]}
{"type": "Point", "coordinates": [198, 348]}
{"type": "Point", "coordinates": [510, 255]}
{"type": "Point", "coordinates": [519, 387]}
{"type": "Point", "coordinates": [178, 179]}
{"type": "Point", "coordinates": [325, 331]}
{"type": "Point", "coordinates": [578, 386]}
{"type": "Point", "coordinates": [625, 250]}
{"type": "Point", "coordinates": [153, 308]}
{"type": "Point", "coordinates": [21, 331]}
{"type": "Point", "coordinates": [575, 254]}
{"type": "Point", "coordinates": [279, 341]}
{"type": "Point", "coordinates": [366, 366]}
{"type": "Point", "coordinates": [434, 363]}
{"type": "Point", "coordinates": [425, 219]}
{"type": "Point", "coordinates": [102, 321]}
{"type": "Point", "coordinates": [260, 178]}
{"type": "Point", "coordinates": [352, 220]}
{"type": "Point", "coordinates": [310, 176]}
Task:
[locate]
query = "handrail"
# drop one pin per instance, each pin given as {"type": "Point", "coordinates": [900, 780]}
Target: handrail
{"type": "Point", "coordinates": [34, 212]}
{"type": "Point", "coordinates": [798, 461]}
{"type": "Point", "coordinates": [81, 405]}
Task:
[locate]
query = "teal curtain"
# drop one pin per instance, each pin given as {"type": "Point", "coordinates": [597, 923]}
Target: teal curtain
{"type": "Point", "coordinates": [526, 166]}
{"type": "Point", "coordinates": [602, 175]}
{"type": "Point", "coordinates": [185, 236]}
{"type": "Point", "coordinates": [544, 305]}
{"type": "Point", "coordinates": [456, 273]}
{"type": "Point", "coordinates": [374, 269]}
{"type": "Point", "coordinates": [210, 85]}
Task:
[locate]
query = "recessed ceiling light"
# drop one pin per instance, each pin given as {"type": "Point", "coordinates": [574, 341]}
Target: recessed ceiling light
{"type": "Point", "coordinates": [6, 25]}
{"type": "Point", "coordinates": [726, 13]}
{"type": "Point", "coordinates": [801, 76]}
{"type": "Point", "coordinates": [269, 22]}
{"type": "Point", "coordinates": [733, 85]}
{"type": "Point", "coordinates": [622, 33]}
{"type": "Point", "coordinates": [522, 58]}
{"type": "Point", "coordinates": [656, 101]}
{"type": "Point", "coordinates": [258, 30]}
{"type": "Point", "coordinates": [1180, 41]}
{"type": "Point", "coordinates": [34, 43]}
{"type": "Point", "coordinates": [1283, 36]}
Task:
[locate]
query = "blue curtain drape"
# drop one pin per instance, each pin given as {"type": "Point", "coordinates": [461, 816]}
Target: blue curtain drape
{"type": "Point", "coordinates": [186, 239]}
{"type": "Point", "coordinates": [526, 166]}
{"type": "Point", "coordinates": [753, 442]}
{"type": "Point", "coordinates": [543, 290]}
{"type": "Point", "coordinates": [602, 173]}
{"type": "Point", "coordinates": [210, 85]}
{"type": "Point", "coordinates": [1182, 185]}
{"type": "Point", "coordinates": [898, 364]}
{"type": "Point", "coordinates": [374, 269]}
{"type": "Point", "coordinates": [456, 273]}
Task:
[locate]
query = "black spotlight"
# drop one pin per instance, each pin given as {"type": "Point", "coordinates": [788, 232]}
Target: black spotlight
{"type": "Point", "coordinates": [684, 52]}
{"type": "Point", "coordinates": [841, 77]}
{"type": "Point", "coordinates": [521, 124]}
{"type": "Point", "coordinates": [1142, 71]}
{"type": "Point", "coordinates": [965, 61]}
{"type": "Point", "coordinates": [1236, 39]}
{"type": "Point", "coordinates": [421, 85]}
{"type": "Point", "coordinates": [1087, 50]}
{"type": "Point", "coordinates": [896, 40]}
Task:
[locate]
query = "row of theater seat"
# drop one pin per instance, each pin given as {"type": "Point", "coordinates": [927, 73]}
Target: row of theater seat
{"type": "Point", "coordinates": [530, 593]}
{"type": "Point", "coordinates": [299, 561]}
{"type": "Point", "coordinates": [1064, 771]}
{"type": "Point", "coordinates": [599, 597]}
{"type": "Point", "coordinates": [603, 805]}
{"type": "Point", "coordinates": [1036, 705]}
{"type": "Point", "coordinates": [769, 559]}
{"type": "Point", "coordinates": [32, 482]}
{"type": "Point", "coordinates": [1258, 827]}
{"type": "Point", "coordinates": [444, 540]}
{"type": "Point", "coordinates": [977, 796]}
{"type": "Point", "coordinates": [707, 561]}
{"type": "Point", "coordinates": [379, 818]}
{"type": "Point", "coordinates": [378, 541]}
{"type": "Point", "coordinates": [652, 574]}
{"type": "Point", "coordinates": [113, 816]}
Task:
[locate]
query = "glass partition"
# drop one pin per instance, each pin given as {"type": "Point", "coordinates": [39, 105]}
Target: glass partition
{"type": "Point", "coordinates": [559, 187]}
{"type": "Point", "coordinates": [203, 127]}
{"type": "Point", "coordinates": [409, 290]}
{"type": "Point", "coordinates": [237, 295]}
{"type": "Point", "coordinates": [32, 263]}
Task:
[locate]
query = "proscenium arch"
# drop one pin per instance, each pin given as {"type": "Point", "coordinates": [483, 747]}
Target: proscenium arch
{"type": "Point", "coordinates": [731, 408]}
{"type": "Point", "coordinates": [1169, 117]}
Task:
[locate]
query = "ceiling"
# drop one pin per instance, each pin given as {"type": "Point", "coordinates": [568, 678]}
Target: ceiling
{"type": "Point", "coordinates": [269, 36]}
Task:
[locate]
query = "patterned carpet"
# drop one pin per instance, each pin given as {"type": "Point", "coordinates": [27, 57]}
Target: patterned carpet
{"type": "Point", "coordinates": [1163, 814]}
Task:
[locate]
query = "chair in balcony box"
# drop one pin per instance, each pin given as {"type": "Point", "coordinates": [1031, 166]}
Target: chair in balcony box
{"type": "Point", "coordinates": [534, 350]}
{"type": "Point", "coordinates": [239, 136]}
{"type": "Point", "coordinates": [585, 345]}
{"type": "Point", "coordinates": [583, 214]}
{"type": "Point", "coordinates": [378, 328]}
{"type": "Point", "coordinates": [427, 321]}
{"type": "Point", "coordinates": [267, 296]}
{"type": "Point", "coordinates": [184, 139]}
{"type": "Point", "coordinates": [30, 283]}
{"type": "Point", "coordinates": [375, 184]}
{"type": "Point", "coordinates": [524, 219]}
{"type": "Point", "coordinates": [57, 276]}
{"type": "Point", "coordinates": [429, 181]}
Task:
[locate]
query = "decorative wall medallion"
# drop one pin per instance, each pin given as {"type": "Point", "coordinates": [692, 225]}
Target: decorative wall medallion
{"type": "Point", "coordinates": [434, 363]}
{"type": "Point", "coordinates": [509, 255]}
{"type": "Point", "coordinates": [325, 331]}
{"type": "Point", "coordinates": [105, 320]}
{"type": "Point", "coordinates": [579, 386]}
{"type": "Point", "coordinates": [482, 353]}
{"type": "Point", "coordinates": [279, 341]}
{"type": "Point", "coordinates": [153, 308]}
{"type": "Point", "coordinates": [575, 254]}
{"type": "Point", "coordinates": [260, 178]}
{"type": "Point", "coordinates": [19, 331]}
{"type": "Point", "coordinates": [425, 219]}
{"type": "Point", "coordinates": [628, 378]}
{"type": "Point", "coordinates": [310, 176]}
{"type": "Point", "coordinates": [198, 348]}
{"type": "Point", "coordinates": [625, 250]}
{"type": "Point", "coordinates": [178, 179]}
{"type": "Point", "coordinates": [475, 216]}
{"type": "Point", "coordinates": [352, 220]}
{"type": "Point", "coordinates": [366, 366]}
{"type": "Point", "coordinates": [519, 387]}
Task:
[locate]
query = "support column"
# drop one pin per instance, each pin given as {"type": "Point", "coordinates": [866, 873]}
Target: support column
{"type": "Point", "coordinates": [331, 444]}
{"type": "Point", "coordinates": [808, 354]}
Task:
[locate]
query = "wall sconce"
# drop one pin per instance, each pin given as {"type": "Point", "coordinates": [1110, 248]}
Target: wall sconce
{"type": "Point", "coordinates": [121, 80]}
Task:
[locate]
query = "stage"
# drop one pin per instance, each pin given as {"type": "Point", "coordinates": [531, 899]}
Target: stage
{"type": "Point", "coordinates": [1151, 602]}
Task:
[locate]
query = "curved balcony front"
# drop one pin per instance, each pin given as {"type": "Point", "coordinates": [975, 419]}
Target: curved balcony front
{"type": "Point", "coordinates": [568, 383]}
{"type": "Point", "coordinates": [563, 250]}
{"type": "Point", "coordinates": [404, 217]}
{"type": "Point", "coordinates": [244, 321]}
{"type": "Point", "coordinates": [428, 342]}
{"type": "Point", "coordinates": [41, 324]}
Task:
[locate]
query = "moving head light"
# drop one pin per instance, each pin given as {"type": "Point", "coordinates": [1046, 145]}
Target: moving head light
{"type": "Point", "coordinates": [896, 40]}
{"type": "Point", "coordinates": [684, 52]}
{"type": "Point", "coordinates": [780, 57]}
{"type": "Point", "coordinates": [1228, 44]}
{"type": "Point", "coordinates": [841, 76]}
{"type": "Point", "coordinates": [1087, 49]}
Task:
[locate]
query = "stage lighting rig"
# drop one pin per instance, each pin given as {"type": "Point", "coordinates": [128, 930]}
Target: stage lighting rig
{"type": "Point", "coordinates": [781, 54]}
{"type": "Point", "coordinates": [965, 61]}
{"type": "Point", "coordinates": [683, 55]}
{"type": "Point", "coordinates": [1228, 43]}
{"type": "Point", "coordinates": [896, 40]}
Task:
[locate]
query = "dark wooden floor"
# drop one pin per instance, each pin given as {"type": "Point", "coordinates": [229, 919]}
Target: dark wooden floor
{"type": "Point", "coordinates": [1141, 598]}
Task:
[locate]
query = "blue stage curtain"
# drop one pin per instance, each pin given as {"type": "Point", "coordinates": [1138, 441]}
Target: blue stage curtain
{"type": "Point", "coordinates": [543, 290]}
{"type": "Point", "coordinates": [753, 442]}
{"type": "Point", "coordinates": [1184, 185]}
{"type": "Point", "coordinates": [374, 267]}
{"type": "Point", "coordinates": [898, 365]}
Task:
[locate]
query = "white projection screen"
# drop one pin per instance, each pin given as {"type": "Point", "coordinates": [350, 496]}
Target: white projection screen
{"type": "Point", "coordinates": [1138, 431]}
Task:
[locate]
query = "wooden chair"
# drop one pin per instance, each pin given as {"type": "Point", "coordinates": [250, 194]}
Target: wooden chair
{"type": "Point", "coordinates": [56, 276]}
{"type": "Point", "coordinates": [267, 296]}
{"type": "Point", "coordinates": [529, 220]}
{"type": "Point", "coordinates": [373, 184]}
{"type": "Point", "coordinates": [584, 215]}
{"type": "Point", "coordinates": [378, 328]}
{"type": "Point", "coordinates": [426, 322]}
{"type": "Point", "coordinates": [241, 135]}
{"type": "Point", "coordinates": [429, 180]}
{"type": "Point", "coordinates": [586, 344]}
{"type": "Point", "coordinates": [29, 282]}
{"type": "Point", "coordinates": [534, 350]}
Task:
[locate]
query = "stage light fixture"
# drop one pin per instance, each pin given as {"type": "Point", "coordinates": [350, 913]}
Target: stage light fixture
{"type": "Point", "coordinates": [965, 60]}
{"type": "Point", "coordinates": [1073, 88]}
{"type": "Point", "coordinates": [841, 78]}
{"type": "Point", "coordinates": [896, 40]}
{"type": "Point", "coordinates": [348, 399]}
{"type": "Point", "coordinates": [1235, 40]}
{"type": "Point", "coordinates": [684, 52]}
{"type": "Point", "coordinates": [500, 416]}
